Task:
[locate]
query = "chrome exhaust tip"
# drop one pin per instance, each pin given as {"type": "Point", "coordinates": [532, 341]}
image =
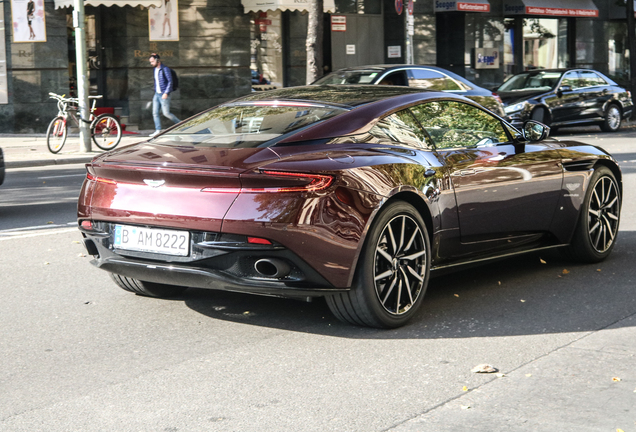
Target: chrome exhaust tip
{"type": "Point", "coordinates": [271, 268]}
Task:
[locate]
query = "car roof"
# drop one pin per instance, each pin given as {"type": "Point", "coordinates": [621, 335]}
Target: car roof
{"type": "Point", "coordinates": [338, 95]}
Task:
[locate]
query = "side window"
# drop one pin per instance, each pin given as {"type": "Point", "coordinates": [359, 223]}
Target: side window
{"type": "Point", "coordinates": [396, 78]}
{"type": "Point", "coordinates": [572, 79]}
{"type": "Point", "coordinates": [432, 80]}
{"type": "Point", "coordinates": [457, 125]}
{"type": "Point", "coordinates": [591, 79]}
{"type": "Point", "coordinates": [401, 127]}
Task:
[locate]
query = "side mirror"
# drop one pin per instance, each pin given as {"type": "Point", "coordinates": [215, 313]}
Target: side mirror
{"type": "Point", "coordinates": [563, 88]}
{"type": "Point", "coordinates": [535, 131]}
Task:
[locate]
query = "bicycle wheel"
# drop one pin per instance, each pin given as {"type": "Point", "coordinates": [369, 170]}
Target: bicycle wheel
{"type": "Point", "coordinates": [106, 131]}
{"type": "Point", "coordinates": [56, 134]}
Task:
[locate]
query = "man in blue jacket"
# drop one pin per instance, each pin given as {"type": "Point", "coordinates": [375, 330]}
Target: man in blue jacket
{"type": "Point", "coordinates": [163, 88]}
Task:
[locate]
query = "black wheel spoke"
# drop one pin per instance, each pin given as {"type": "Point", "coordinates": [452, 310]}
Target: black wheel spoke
{"type": "Point", "coordinates": [603, 210]}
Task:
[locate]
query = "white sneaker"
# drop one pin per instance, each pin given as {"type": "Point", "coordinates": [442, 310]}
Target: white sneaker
{"type": "Point", "coordinates": [154, 134]}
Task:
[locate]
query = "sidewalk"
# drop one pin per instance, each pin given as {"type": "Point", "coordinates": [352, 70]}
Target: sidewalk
{"type": "Point", "coordinates": [22, 151]}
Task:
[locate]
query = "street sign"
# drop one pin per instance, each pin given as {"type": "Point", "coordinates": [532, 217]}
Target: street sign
{"type": "Point", "coordinates": [399, 6]}
{"type": "Point", "coordinates": [338, 23]}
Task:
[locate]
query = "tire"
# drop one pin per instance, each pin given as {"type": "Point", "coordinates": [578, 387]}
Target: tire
{"type": "Point", "coordinates": [56, 134]}
{"type": "Point", "coordinates": [396, 255]}
{"type": "Point", "coordinates": [148, 289]}
{"type": "Point", "coordinates": [613, 119]}
{"type": "Point", "coordinates": [106, 131]}
{"type": "Point", "coordinates": [597, 227]}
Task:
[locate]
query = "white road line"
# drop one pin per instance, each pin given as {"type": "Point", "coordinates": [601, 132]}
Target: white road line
{"type": "Point", "coordinates": [62, 176]}
{"type": "Point", "coordinates": [35, 227]}
{"type": "Point", "coordinates": [37, 234]}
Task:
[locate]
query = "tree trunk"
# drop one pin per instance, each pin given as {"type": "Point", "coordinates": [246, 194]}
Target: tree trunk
{"type": "Point", "coordinates": [631, 38]}
{"type": "Point", "coordinates": [314, 41]}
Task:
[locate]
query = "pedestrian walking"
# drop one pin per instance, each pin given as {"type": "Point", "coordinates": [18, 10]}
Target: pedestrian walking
{"type": "Point", "coordinates": [164, 85]}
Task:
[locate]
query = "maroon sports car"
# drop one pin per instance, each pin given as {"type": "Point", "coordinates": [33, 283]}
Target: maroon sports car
{"type": "Point", "coordinates": [355, 194]}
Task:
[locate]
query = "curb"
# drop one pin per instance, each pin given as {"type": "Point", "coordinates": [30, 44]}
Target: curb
{"type": "Point", "coordinates": [45, 162]}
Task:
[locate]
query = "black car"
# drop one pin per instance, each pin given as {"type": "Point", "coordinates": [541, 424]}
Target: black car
{"type": "Point", "coordinates": [426, 77]}
{"type": "Point", "coordinates": [1, 167]}
{"type": "Point", "coordinates": [566, 97]}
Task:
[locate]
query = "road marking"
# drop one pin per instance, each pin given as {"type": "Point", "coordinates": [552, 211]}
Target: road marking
{"type": "Point", "coordinates": [18, 235]}
{"type": "Point", "coordinates": [62, 176]}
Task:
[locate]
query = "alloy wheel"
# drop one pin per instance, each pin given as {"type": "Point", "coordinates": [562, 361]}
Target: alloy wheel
{"type": "Point", "coordinates": [613, 117]}
{"type": "Point", "coordinates": [603, 214]}
{"type": "Point", "coordinates": [400, 265]}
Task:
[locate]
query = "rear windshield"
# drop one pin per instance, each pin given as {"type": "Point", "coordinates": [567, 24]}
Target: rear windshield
{"type": "Point", "coordinates": [349, 77]}
{"type": "Point", "coordinates": [255, 124]}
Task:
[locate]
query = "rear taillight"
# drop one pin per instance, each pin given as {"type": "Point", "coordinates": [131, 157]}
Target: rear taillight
{"type": "Point", "coordinates": [310, 183]}
{"type": "Point", "coordinates": [92, 177]}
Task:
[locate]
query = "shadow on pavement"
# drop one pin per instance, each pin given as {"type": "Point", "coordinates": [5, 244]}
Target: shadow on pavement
{"type": "Point", "coordinates": [518, 296]}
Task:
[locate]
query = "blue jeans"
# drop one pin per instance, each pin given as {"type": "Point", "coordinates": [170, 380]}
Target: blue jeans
{"type": "Point", "coordinates": [165, 109]}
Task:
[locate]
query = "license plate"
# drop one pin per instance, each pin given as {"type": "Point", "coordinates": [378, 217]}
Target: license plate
{"type": "Point", "coordinates": [167, 242]}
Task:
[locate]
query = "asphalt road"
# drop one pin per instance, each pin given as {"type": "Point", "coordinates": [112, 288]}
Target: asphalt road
{"type": "Point", "coordinates": [79, 354]}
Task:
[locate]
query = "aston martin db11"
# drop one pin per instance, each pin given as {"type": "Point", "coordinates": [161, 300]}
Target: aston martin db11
{"type": "Point", "coordinates": [352, 193]}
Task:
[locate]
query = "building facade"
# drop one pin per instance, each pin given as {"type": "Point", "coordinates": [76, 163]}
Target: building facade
{"type": "Point", "coordinates": [222, 49]}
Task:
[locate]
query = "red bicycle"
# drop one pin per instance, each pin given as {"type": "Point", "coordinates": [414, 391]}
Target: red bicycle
{"type": "Point", "coordinates": [105, 129]}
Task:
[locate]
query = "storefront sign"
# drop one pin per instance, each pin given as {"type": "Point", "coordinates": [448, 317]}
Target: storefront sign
{"type": "Point", "coordinates": [394, 51]}
{"type": "Point", "coordinates": [28, 21]}
{"type": "Point", "coordinates": [300, 5]}
{"type": "Point", "coordinates": [4, 94]}
{"type": "Point", "coordinates": [486, 58]}
{"type": "Point", "coordinates": [163, 22]}
{"type": "Point", "coordinates": [461, 6]}
{"type": "Point", "coordinates": [338, 23]}
{"type": "Point", "coordinates": [558, 8]}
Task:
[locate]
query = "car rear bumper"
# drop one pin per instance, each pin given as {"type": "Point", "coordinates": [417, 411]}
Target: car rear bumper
{"type": "Point", "coordinates": [215, 262]}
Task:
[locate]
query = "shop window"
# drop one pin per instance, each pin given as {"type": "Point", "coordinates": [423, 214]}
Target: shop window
{"type": "Point", "coordinates": [266, 51]}
{"type": "Point", "coordinates": [358, 7]}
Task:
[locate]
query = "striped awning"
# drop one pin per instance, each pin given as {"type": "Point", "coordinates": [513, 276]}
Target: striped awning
{"type": "Point", "coordinates": [556, 8]}
{"type": "Point", "coordinates": [292, 5]}
{"type": "Point", "coordinates": [133, 3]}
{"type": "Point", "coordinates": [462, 6]}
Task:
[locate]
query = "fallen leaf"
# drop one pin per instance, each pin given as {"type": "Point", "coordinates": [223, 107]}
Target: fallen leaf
{"type": "Point", "coordinates": [50, 222]}
{"type": "Point", "coordinates": [499, 282]}
{"type": "Point", "coordinates": [456, 295]}
{"type": "Point", "coordinates": [484, 368]}
{"type": "Point", "coordinates": [464, 388]}
{"type": "Point", "coordinates": [616, 379]}
{"type": "Point", "coordinates": [75, 241]}
{"type": "Point", "coordinates": [542, 262]}
{"type": "Point", "coordinates": [81, 255]}
{"type": "Point", "coordinates": [246, 313]}
{"type": "Point", "coordinates": [566, 271]}
{"type": "Point", "coordinates": [468, 407]}
{"type": "Point", "coordinates": [598, 270]}
{"type": "Point", "coordinates": [500, 375]}
{"type": "Point", "coordinates": [528, 375]}
{"type": "Point", "coordinates": [620, 430]}
{"type": "Point", "coordinates": [46, 263]}
{"type": "Point", "coordinates": [523, 301]}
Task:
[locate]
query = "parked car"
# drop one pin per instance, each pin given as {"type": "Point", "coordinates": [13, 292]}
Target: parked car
{"type": "Point", "coordinates": [352, 193]}
{"type": "Point", "coordinates": [425, 77]}
{"type": "Point", "coordinates": [566, 97]}
{"type": "Point", "coordinates": [1, 167]}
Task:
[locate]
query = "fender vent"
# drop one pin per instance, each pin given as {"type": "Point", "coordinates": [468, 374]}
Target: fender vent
{"type": "Point", "coordinates": [579, 165]}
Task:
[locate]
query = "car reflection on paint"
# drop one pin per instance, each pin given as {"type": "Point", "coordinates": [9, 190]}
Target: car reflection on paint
{"type": "Point", "coordinates": [418, 76]}
{"type": "Point", "coordinates": [566, 97]}
{"type": "Point", "coordinates": [351, 193]}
